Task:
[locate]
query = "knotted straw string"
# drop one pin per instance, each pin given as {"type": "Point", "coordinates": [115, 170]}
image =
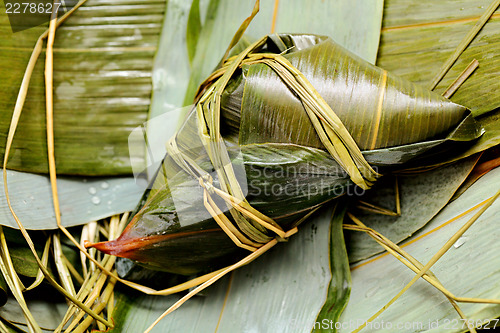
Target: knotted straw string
{"type": "Point", "coordinates": [328, 126]}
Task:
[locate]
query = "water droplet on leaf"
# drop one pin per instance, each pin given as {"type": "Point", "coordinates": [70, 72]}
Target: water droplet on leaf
{"type": "Point", "coordinates": [461, 241]}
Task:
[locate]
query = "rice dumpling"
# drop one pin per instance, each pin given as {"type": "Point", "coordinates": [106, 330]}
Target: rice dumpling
{"type": "Point", "coordinates": [289, 124]}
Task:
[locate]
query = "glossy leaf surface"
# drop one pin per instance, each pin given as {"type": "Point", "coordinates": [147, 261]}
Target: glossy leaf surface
{"type": "Point", "coordinates": [103, 58]}
{"type": "Point", "coordinates": [418, 37]}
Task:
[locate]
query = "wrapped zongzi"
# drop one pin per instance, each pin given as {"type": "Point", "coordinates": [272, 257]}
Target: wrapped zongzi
{"type": "Point", "coordinates": [290, 123]}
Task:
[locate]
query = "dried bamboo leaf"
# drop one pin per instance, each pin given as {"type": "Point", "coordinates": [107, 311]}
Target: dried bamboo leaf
{"type": "Point", "coordinates": [45, 259]}
{"type": "Point", "coordinates": [62, 269]}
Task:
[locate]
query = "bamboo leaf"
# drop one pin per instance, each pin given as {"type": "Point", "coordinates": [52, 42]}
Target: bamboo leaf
{"type": "Point", "coordinates": [280, 181]}
{"type": "Point", "coordinates": [22, 258]}
{"type": "Point", "coordinates": [409, 40]}
{"type": "Point", "coordinates": [371, 103]}
{"type": "Point", "coordinates": [286, 272]}
{"type": "Point", "coordinates": [134, 313]}
{"type": "Point", "coordinates": [3, 291]}
{"type": "Point", "coordinates": [416, 209]}
{"type": "Point", "coordinates": [193, 29]}
{"type": "Point", "coordinates": [329, 18]}
{"type": "Point", "coordinates": [78, 67]}
{"type": "Point", "coordinates": [171, 67]}
{"type": "Point", "coordinates": [102, 64]}
{"type": "Point", "coordinates": [9, 327]}
{"type": "Point", "coordinates": [289, 284]}
{"type": "Point", "coordinates": [23, 261]}
{"type": "Point", "coordinates": [82, 199]}
{"type": "Point", "coordinates": [319, 17]}
{"type": "Point", "coordinates": [340, 283]}
{"type": "Point", "coordinates": [222, 19]}
{"type": "Point", "coordinates": [465, 42]}
{"type": "Point", "coordinates": [415, 44]}
{"type": "Point", "coordinates": [491, 137]}
{"type": "Point", "coordinates": [47, 314]}
{"type": "Point", "coordinates": [376, 281]}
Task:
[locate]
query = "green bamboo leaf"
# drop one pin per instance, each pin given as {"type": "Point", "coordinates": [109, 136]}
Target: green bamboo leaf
{"type": "Point", "coordinates": [3, 291]}
{"type": "Point", "coordinates": [81, 199]}
{"type": "Point", "coordinates": [47, 314]}
{"type": "Point", "coordinates": [172, 223]}
{"type": "Point", "coordinates": [286, 288]}
{"type": "Point", "coordinates": [9, 327]}
{"type": "Point", "coordinates": [409, 40]}
{"type": "Point", "coordinates": [135, 312]}
{"type": "Point", "coordinates": [329, 18]}
{"type": "Point", "coordinates": [422, 195]}
{"type": "Point", "coordinates": [415, 44]}
{"type": "Point", "coordinates": [222, 19]}
{"type": "Point", "coordinates": [321, 17]}
{"type": "Point", "coordinates": [103, 62]}
{"type": "Point", "coordinates": [375, 282]}
{"type": "Point", "coordinates": [283, 181]}
{"type": "Point", "coordinates": [23, 261]}
{"type": "Point", "coordinates": [491, 124]}
{"type": "Point", "coordinates": [371, 103]}
{"type": "Point", "coordinates": [285, 279]}
{"type": "Point", "coordinates": [22, 258]}
{"type": "Point", "coordinates": [171, 69]}
{"type": "Point", "coordinates": [87, 74]}
{"type": "Point", "coordinates": [340, 283]}
{"type": "Point", "coordinates": [193, 29]}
